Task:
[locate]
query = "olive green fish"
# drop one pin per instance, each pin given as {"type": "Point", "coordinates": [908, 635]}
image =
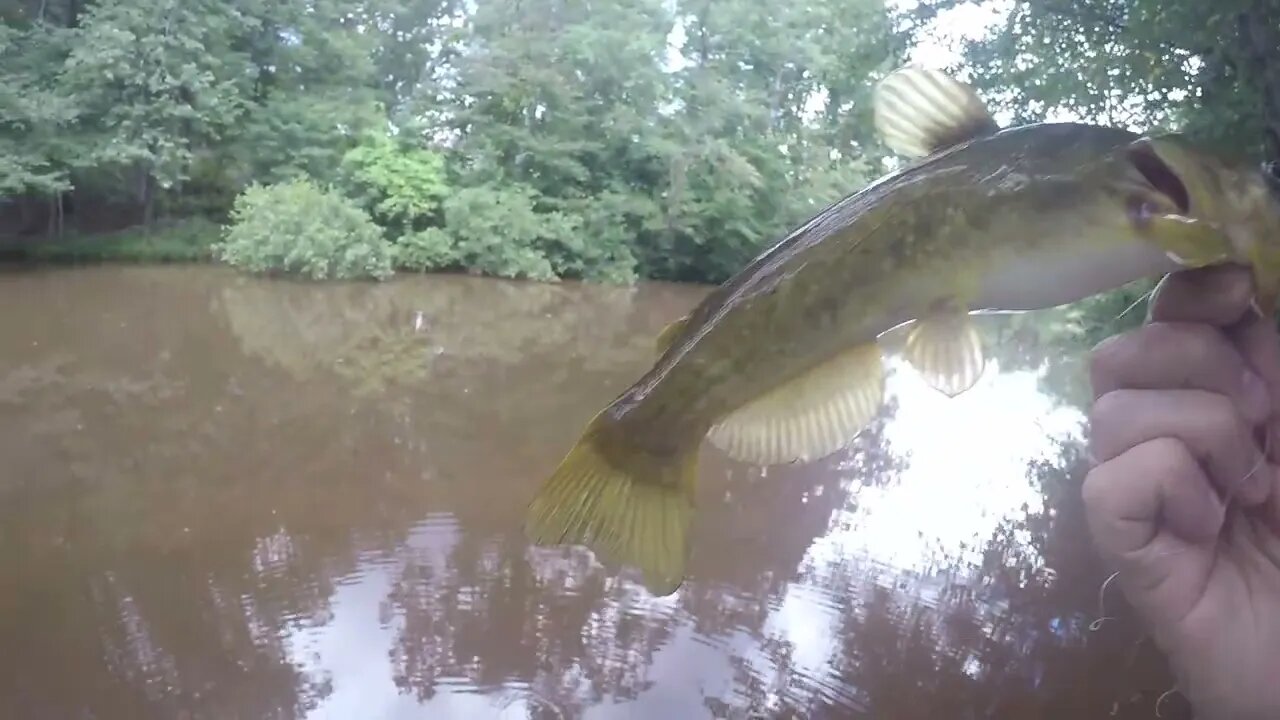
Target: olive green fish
{"type": "Point", "coordinates": [783, 362]}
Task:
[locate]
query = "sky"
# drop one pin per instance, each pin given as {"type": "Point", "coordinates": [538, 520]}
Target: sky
{"type": "Point", "coordinates": [940, 46]}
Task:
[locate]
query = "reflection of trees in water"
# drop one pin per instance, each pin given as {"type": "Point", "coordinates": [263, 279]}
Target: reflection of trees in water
{"type": "Point", "coordinates": [1003, 640]}
{"type": "Point", "coordinates": [577, 632]}
{"type": "Point", "coordinates": [207, 502]}
{"type": "Point", "coordinates": [162, 579]}
{"type": "Point", "coordinates": [144, 574]}
{"type": "Point", "coordinates": [393, 334]}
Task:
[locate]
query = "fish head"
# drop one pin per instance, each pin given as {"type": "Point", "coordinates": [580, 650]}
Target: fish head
{"type": "Point", "coordinates": [1203, 209]}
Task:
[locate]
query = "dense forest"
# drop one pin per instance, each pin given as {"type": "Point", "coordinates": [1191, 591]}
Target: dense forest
{"type": "Point", "coordinates": [608, 140]}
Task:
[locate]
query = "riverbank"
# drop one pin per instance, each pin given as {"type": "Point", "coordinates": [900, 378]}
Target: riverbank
{"type": "Point", "coordinates": [189, 240]}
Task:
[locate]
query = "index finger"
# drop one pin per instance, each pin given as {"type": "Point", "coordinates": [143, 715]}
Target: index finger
{"type": "Point", "coordinates": [1222, 295]}
{"type": "Point", "coordinates": [1217, 295]}
{"type": "Point", "coordinates": [1259, 345]}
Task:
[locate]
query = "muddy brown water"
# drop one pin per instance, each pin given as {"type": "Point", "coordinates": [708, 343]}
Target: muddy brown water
{"type": "Point", "coordinates": [225, 497]}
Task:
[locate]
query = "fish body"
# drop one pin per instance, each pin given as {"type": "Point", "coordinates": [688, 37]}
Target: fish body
{"type": "Point", "coordinates": [988, 226]}
{"type": "Point", "coordinates": [782, 363]}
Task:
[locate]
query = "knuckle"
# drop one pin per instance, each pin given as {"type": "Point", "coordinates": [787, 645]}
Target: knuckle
{"type": "Point", "coordinates": [1108, 417]}
{"type": "Point", "coordinates": [1096, 488]}
{"type": "Point", "coordinates": [1191, 343]}
{"type": "Point", "coordinates": [1162, 457]}
{"type": "Point", "coordinates": [1234, 285]}
{"type": "Point", "coordinates": [1166, 456]}
{"type": "Point", "coordinates": [1110, 358]}
{"type": "Point", "coordinates": [1219, 415]}
{"type": "Point", "coordinates": [1106, 410]}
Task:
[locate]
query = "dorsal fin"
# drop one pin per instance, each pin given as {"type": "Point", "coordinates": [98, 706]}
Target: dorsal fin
{"type": "Point", "coordinates": [668, 334]}
{"type": "Point", "coordinates": [919, 112]}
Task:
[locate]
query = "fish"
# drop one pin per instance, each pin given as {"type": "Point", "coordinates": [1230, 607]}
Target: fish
{"type": "Point", "coordinates": [784, 361]}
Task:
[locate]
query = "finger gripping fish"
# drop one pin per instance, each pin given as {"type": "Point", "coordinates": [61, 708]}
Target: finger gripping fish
{"type": "Point", "coordinates": [782, 363]}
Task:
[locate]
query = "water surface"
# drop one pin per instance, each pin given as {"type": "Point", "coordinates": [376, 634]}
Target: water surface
{"type": "Point", "coordinates": [225, 497]}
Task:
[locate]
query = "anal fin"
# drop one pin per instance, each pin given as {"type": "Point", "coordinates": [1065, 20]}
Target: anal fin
{"type": "Point", "coordinates": [946, 349]}
{"type": "Point", "coordinates": [809, 417]}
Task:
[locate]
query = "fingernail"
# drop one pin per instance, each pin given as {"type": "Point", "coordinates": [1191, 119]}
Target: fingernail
{"type": "Point", "coordinates": [1257, 402]}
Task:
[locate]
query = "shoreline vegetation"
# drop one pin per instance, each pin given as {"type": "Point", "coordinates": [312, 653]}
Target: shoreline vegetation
{"type": "Point", "coordinates": [609, 141]}
{"type": "Point", "coordinates": [183, 241]}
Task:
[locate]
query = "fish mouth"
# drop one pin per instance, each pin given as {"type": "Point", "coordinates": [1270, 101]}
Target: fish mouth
{"type": "Point", "coordinates": [1160, 175]}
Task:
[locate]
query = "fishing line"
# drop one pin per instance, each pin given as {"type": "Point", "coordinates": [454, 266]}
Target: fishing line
{"type": "Point", "coordinates": [1141, 299]}
{"type": "Point", "coordinates": [1102, 599]}
{"type": "Point", "coordinates": [1160, 700]}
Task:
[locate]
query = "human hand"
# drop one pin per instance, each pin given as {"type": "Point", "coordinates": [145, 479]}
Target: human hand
{"type": "Point", "coordinates": [1183, 502]}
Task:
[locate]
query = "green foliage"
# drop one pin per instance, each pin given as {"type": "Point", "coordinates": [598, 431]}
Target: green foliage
{"type": "Point", "coordinates": [541, 139]}
{"type": "Point", "coordinates": [1211, 69]}
{"type": "Point", "coordinates": [35, 157]}
{"type": "Point", "coordinates": [189, 240]}
{"type": "Point", "coordinates": [296, 227]}
{"type": "Point", "coordinates": [154, 81]}
{"type": "Point", "coordinates": [400, 185]}
{"type": "Point", "coordinates": [600, 139]}
{"type": "Point", "coordinates": [681, 172]}
{"type": "Point", "coordinates": [427, 250]}
{"type": "Point", "coordinates": [497, 231]}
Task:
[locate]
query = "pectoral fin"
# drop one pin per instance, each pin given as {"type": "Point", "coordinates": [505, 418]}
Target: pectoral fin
{"type": "Point", "coordinates": [809, 417]}
{"type": "Point", "coordinates": [919, 112]}
{"type": "Point", "coordinates": [947, 350]}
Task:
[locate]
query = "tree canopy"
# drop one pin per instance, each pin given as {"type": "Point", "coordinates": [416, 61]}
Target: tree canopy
{"type": "Point", "coordinates": [606, 140]}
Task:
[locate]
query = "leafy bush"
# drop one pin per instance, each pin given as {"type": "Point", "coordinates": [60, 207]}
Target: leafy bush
{"type": "Point", "coordinates": [600, 247]}
{"type": "Point", "coordinates": [502, 231]}
{"type": "Point", "coordinates": [497, 231]}
{"type": "Point", "coordinates": [427, 250]}
{"type": "Point", "coordinates": [296, 227]}
{"type": "Point", "coordinates": [400, 185]}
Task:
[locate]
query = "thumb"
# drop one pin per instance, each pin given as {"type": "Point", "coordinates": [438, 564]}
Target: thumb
{"type": "Point", "coordinates": [1155, 518]}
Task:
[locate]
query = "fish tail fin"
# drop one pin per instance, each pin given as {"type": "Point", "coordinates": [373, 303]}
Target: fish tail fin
{"type": "Point", "coordinates": [627, 503]}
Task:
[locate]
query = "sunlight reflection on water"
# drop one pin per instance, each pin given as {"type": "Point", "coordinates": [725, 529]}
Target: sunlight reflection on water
{"type": "Point", "coordinates": [965, 474]}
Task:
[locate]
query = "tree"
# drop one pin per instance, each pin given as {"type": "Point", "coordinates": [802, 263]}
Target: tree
{"type": "Point", "coordinates": [1209, 69]}
{"type": "Point", "coordinates": [156, 81]}
{"type": "Point", "coordinates": [35, 154]}
{"type": "Point", "coordinates": [772, 124]}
